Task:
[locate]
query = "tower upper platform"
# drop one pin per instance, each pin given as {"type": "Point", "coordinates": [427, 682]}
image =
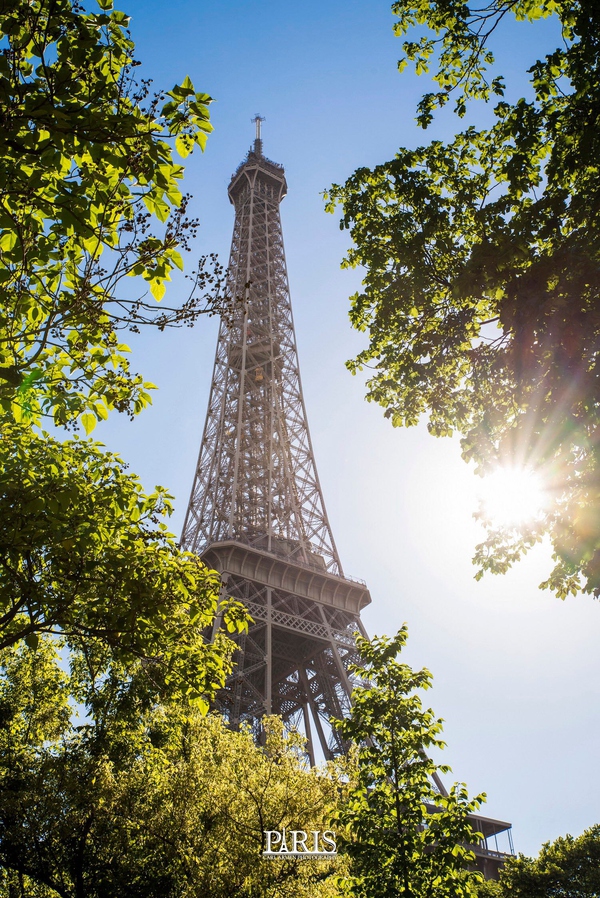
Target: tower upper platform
{"type": "Point", "coordinates": [256, 171]}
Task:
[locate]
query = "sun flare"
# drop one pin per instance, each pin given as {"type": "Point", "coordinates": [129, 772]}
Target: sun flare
{"type": "Point", "coordinates": [511, 497]}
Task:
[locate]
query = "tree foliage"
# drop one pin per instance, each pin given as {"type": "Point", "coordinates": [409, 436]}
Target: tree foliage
{"type": "Point", "coordinates": [86, 168]}
{"type": "Point", "coordinates": [566, 868]}
{"type": "Point", "coordinates": [85, 555]}
{"type": "Point", "coordinates": [482, 270]}
{"type": "Point", "coordinates": [86, 165]}
{"type": "Point", "coordinates": [89, 195]}
{"type": "Point", "coordinates": [403, 836]}
{"type": "Point", "coordinates": [144, 797]}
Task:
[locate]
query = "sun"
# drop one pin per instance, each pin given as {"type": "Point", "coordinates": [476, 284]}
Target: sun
{"type": "Point", "coordinates": [512, 496]}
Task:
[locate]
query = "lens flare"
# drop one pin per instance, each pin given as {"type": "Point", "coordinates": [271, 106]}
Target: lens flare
{"type": "Point", "coordinates": [512, 497]}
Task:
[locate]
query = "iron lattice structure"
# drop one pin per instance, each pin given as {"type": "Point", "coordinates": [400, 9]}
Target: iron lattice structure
{"type": "Point", "coordinates": [256, 511]}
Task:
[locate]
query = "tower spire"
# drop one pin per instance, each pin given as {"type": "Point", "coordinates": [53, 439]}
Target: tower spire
{"type": "Point", "coordinates": [258, 144]}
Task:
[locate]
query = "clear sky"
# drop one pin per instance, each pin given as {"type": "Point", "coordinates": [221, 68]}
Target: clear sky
{"type": "Point", "coordinates": [516, 671]}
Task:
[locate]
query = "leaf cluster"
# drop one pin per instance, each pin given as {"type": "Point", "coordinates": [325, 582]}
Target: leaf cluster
{"type": "Point", "coordinates": [86, 167]}
{"type": "Point", "coordinates": [457, 42]}
{"type": "Point", "coordinates": [482, 268]}
{"type": "Point", "coordinates": [85, 555]}
{"type": "Point", "coordinates": [568, 867]}
{"type": "Point", "coordinates": [404, 835]}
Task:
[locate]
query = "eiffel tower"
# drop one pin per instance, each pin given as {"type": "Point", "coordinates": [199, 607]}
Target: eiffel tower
{"type": "Point", "coordinates": [256, 512]}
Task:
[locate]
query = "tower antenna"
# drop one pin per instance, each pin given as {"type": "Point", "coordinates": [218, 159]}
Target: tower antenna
{"type": "Point", "coordinates": [258, 119]}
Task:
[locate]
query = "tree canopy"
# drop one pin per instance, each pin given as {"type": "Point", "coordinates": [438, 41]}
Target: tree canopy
{"type": "Point", "coordinates": [89, 195]}
{"type": "Point", "coordinates": [145, 797]}
{"type": "Point", "coordinates": [85, 556]}
{"type": "Point", "coordinates": [480, 296]}
{"type": "Point", "coordinates": [403, 835]}
{"type": "Point", "coordinates": [568, 867]}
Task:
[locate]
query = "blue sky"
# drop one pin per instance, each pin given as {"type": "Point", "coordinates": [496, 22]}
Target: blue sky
{"type": "Point", "coordinates": [516, 671]}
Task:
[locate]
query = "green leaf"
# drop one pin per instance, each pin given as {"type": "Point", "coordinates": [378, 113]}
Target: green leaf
{"type": "Point", "coordinates": [17, 411]}
{"type": "Point", "coordinates": [88, 421]}
{"type": "Point", "coordinates": [176, 258]}
{"type": "Point", "coordinates": [201, 138]}
{"type": "Point", "coordinates": [32, 640]}
{"type": "Point", "coordinates": [8, 240]}
{"type": "Point", "coordinates": [157, 289]}
{"type": "Point", "coordinates": [184, 145]}
{"type": "Point", "coordinates": [73, 177]}
{"type": "Point", "coordinates": [101, 411]}
{"type": "Point", "coordinates": [201, 704]}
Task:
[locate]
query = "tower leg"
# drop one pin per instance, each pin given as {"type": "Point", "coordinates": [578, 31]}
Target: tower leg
{"type": "Point", "coordinates": [309, 742]}
{"type": "Point", "coordinates": [316, 717]}
{"type": "Point", "coordinates": [269, 655]}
